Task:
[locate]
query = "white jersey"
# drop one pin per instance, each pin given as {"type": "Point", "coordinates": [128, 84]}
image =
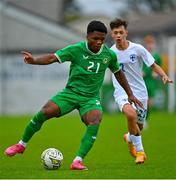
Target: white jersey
{"type": "Point", "coordinates": [131, 62]}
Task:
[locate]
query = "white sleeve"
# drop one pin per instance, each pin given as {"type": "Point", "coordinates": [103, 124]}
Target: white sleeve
{"type": "Point", "coordinates": [146, 56]}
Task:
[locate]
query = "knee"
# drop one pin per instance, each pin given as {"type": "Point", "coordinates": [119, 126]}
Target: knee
{"type": "Point", "coordinates": [131, 115]}
{"type": "Point", "coordinates": [45, 112]}
{"type": "Point", "coordinates": [50, 110]}
{"type": "Point", "coordinates": [96, 120]}
{"type": "Point", "coordinates": [92, 117]}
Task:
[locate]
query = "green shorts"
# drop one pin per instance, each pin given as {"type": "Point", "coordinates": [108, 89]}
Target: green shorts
{"type": "Point", "coordinates": [68, 100]}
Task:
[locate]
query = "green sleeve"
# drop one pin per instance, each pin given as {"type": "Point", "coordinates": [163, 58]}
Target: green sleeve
{"type": "Point", "coordinates": [64, 54]}
{"type": "Point", "coordinates": [114, 65]}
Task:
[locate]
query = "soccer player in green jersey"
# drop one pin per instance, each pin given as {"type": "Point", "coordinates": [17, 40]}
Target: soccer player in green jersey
{"type": "Point", "coordinates": [89, 60]}
{"type": "Point", "coordinates": [149, 76]}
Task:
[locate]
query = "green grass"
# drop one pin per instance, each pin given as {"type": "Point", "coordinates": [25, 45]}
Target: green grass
{"type": "Point", "coordinates": [109, 158]}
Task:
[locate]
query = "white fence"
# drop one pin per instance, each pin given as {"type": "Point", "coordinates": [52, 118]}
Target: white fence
{"type": "Point", "coordinates": [25, 88]}
{"type": "Point", "coordinates": [172, 69]}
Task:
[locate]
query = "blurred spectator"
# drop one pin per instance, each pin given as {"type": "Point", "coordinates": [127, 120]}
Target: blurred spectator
{"type": "Point", "coordinates": [150, 77]}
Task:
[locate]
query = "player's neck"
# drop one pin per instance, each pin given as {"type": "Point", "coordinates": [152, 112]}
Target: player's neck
{"type": "Point", "coordinates": [123, 45]}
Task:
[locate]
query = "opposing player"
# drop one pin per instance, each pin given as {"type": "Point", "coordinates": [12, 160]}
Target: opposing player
{"type": "Point", "coordinates": [89, 61]}
{"type": "Point", "coordinates": [131, 57]}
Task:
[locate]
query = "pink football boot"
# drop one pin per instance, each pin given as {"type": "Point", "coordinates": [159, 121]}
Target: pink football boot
{"type": "Point", "coordinates": [77, 165]}
{"type": "Point", "coordinates": [15, 149]}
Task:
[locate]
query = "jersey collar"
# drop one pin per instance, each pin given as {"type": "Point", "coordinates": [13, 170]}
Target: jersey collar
{"type": "Point", "coordinates": [101, 49]}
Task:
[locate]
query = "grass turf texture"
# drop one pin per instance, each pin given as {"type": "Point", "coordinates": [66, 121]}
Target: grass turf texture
{"type": "Point", "coordinates": [109, 158]}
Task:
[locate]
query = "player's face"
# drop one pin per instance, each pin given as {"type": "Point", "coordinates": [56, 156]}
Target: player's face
{"type": "Point", "coordinates": [119, 34]}
{"type": "Point", "coordinates": [149, 45]}
{"type": "Point", "coordinates": [95, 40]}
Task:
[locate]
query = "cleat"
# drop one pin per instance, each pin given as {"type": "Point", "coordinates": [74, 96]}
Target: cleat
{"type": "Point", "coordinates": [77, 165]}
{"type": "Point", "coordinates": [131, 147]}
{"type": "Point", "coordinates": [15, 149]}
{"type": "Point", "coordinates": [140, 157]}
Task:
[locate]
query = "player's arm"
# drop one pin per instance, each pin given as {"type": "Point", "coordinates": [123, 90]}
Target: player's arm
{"type": "Point", "coordinates": [42, 60]}
{"type": "Point", "coordinates": [158, 70]}
{"type": "Point", "coordinates": [120, 77]}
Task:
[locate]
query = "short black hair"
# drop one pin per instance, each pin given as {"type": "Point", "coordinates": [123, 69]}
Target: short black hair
{"type": "Point", "coordinates": [96, 26]}
{"type": "Point", "coordinates": [118, 22]}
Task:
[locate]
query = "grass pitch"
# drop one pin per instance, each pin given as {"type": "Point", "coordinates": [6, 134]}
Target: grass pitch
{"type": "Point", "coordinates": [109, 157]}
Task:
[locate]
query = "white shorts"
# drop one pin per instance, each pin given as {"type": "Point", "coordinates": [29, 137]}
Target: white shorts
{"type": "Point", "coordinates": [141, 112]}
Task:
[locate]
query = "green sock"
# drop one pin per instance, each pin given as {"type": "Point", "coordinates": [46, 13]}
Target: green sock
{"type": "Point", "coordinates": [33, 126]}
{"type": "Point", "coordinates": [88, 140]}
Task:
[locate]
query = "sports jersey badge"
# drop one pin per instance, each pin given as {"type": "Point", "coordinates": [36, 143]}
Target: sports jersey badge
{"type": "Point", "coordinates": [105, 60]}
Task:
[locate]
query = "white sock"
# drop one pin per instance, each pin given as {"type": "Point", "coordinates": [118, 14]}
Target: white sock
{"type": "Point", "coordinates": [128, 138]}
{"type": "Point", "coordinates": [78, 158]}
{"type": "Point", "coordinates": [22, 143]}
{"type": "Point", "coordinates": [137, 141]}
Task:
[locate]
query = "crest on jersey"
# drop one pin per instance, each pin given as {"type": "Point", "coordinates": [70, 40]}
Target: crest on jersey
{"type": "Point", "coordinates": [105, 60]}
{"type": "Point", "coordinates": [133, 57]}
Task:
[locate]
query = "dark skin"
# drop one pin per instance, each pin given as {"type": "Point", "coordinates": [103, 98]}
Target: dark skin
{"type": "Point", "coordinates": [50, 109]}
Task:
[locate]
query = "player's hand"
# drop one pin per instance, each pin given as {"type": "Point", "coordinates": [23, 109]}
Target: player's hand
{"type": "Point", "coordinates": [133, 99]}
{"type": "Point", "coordinates": [28, 58]}
{"type": "Point", "coordinates": [166, 79]}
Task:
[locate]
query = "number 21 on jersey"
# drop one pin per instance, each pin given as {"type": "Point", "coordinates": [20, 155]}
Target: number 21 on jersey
{"type": "Point", "coordinates": [92, 64]}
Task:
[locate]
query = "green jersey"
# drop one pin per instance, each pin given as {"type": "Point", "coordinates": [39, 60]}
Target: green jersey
{"type": "Point", "coordinates": [150, 82]}
{"type": "Point", "coordinates": [87, 69]}
{"type": "Point", "coordinates": [147, 70]}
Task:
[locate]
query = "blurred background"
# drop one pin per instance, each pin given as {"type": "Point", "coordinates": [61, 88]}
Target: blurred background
{"type": "Point", "coordinates": [43, 26]}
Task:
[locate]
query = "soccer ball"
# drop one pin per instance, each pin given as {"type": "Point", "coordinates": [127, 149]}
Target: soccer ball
{"type": "Point", "coordinates": [52, 158]}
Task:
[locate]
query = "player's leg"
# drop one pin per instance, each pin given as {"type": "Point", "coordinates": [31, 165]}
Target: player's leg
{"type": "Point", "coordinates": [133, 129]}
{"type": "Point", "coordinates": [49, 110]}
{"type": "Point", "coordinates": [131, 116]}
{"type": "Point", "coordinates": [91, 115]}
{"type": "Point", "coordinates": [141, 113]}
{"type": "Point", "coordinates": [92, 120]}
{"type": "Point", "coordinates": [56, 107]}
{"type": "Point", "coordinates": [134, 137]}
